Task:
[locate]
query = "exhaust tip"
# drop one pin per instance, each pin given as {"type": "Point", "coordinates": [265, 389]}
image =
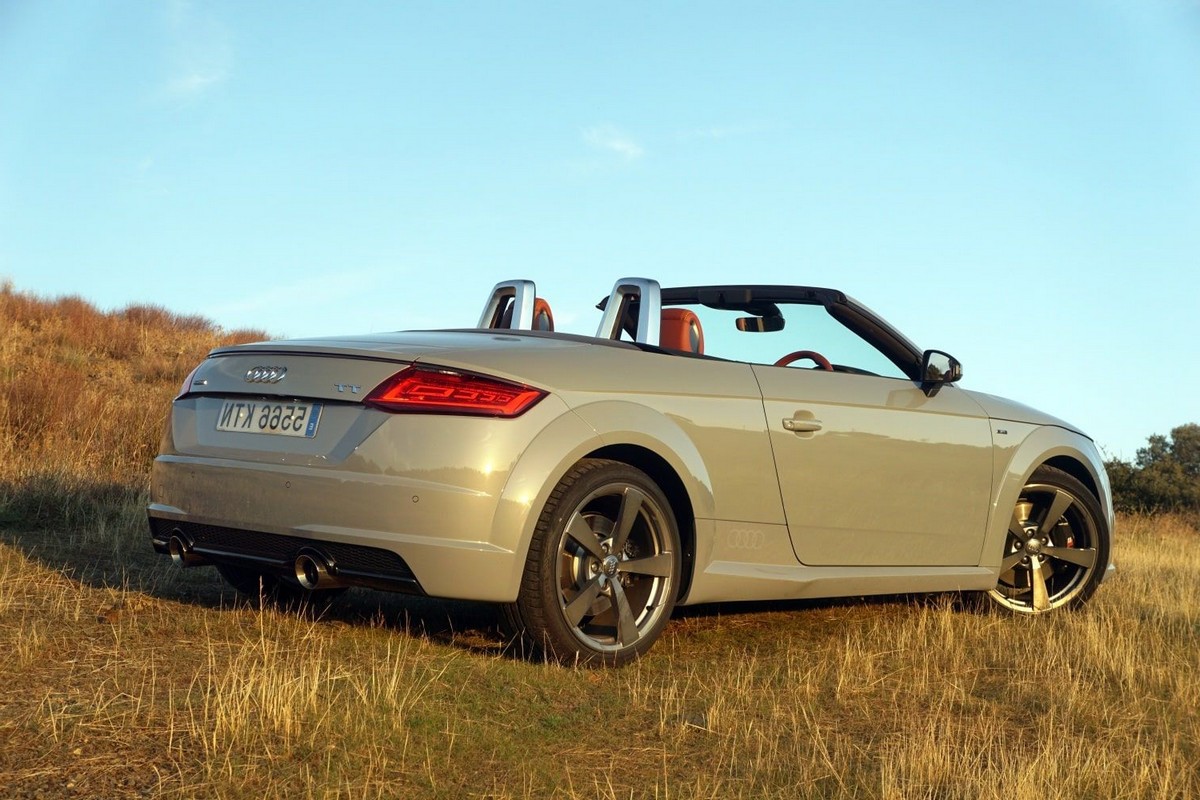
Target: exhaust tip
{"type": "Point", "coordinates": [312, 571]}
{"type": "Point", "coordinates": [180, 550]}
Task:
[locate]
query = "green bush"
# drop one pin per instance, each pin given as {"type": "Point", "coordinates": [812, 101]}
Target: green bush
{"type": "Point", "coordinates": [1165, 476]}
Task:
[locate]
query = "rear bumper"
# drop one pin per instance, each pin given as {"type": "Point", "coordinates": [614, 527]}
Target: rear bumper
{"type": "Point", "coordinates": [349, 565]}
{"type": "Point", "coordinates": [392, 533]}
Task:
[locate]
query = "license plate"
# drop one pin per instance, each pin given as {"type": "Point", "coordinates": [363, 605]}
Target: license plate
{"type": "Point", "coordinates": [278, 419]}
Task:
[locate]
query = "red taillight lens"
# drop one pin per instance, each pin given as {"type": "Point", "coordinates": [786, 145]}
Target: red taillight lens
{"type": "Point", "coordinates": [447, 392]}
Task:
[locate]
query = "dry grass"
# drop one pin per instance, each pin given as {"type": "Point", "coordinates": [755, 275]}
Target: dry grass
{"type": "Point", "coordinates": [125, 677]}
{"type": "Point", "coordinates": [83, 400]}
{"type": "Point", "coordinates": [144, 680]}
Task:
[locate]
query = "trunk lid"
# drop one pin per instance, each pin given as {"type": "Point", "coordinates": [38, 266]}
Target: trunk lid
{"type": "Point", "coordinates": [346, 368]}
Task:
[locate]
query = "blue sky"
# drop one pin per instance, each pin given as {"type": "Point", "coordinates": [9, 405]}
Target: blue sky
{"type": "Point", "coordinates": [1017, 183]}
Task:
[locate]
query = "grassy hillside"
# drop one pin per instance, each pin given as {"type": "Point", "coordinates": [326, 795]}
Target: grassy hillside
{"type": "Point", "coordinates": [126, 677]}
{"type": "Point", "coordinates": [83, 398]}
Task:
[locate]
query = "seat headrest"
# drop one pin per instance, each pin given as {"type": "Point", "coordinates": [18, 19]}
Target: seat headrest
{"type": "Point", "coordinates": [543, 318]}
{"type": "Point", "coordinates": [680, 329]}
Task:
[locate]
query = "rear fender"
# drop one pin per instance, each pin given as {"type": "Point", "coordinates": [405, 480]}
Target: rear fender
{"type": "Point", "coordinates": [572, 437]}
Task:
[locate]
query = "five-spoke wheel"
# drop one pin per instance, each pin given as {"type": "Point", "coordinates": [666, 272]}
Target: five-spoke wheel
{"type": "Point", "coordinates": [1057, 546]}
{"type": "Point", "coordinates": [603, 568]}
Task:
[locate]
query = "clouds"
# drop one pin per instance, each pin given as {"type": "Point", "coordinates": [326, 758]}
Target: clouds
{"type": "Point", "coordinates": [190, 83]}
{"type": "Point", "coordinates": [727, 131]}
{"type": "Point", "coordinates": [611, 139]}
{"type": "Point", "coordinates": [200, 53]}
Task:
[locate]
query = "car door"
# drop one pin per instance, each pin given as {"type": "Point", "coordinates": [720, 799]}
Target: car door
{"type": "Point", "coordinates": [874, 472]}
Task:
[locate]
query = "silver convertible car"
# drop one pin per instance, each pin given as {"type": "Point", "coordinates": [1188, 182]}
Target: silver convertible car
{"type": "Point", "coordinates": [709, 443]}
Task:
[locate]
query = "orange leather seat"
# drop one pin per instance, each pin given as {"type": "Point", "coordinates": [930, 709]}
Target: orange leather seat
{"type": "Point", "coordinates": [679, 329]}
{"type": "Point", "coordinates": [543, 318]}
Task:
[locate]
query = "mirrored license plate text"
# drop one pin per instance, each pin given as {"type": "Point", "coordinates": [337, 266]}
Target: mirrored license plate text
{"type": "Point", "coordinates": [280, 419]}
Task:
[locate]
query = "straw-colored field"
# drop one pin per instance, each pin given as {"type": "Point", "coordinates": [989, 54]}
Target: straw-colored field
{"type": "Point", "coordinates": [126, 677]}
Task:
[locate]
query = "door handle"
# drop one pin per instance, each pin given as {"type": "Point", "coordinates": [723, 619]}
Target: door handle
{"type": "Point", "coordinates": [801, 425]}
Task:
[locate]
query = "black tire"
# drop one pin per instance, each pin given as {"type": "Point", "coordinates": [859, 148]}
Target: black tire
{"type": "Point", "coordinates": [1057, 548]}
{"type": "Point", "coordinates": [274, 590]}
{"type": "Point", "coordinates": [603, 568]}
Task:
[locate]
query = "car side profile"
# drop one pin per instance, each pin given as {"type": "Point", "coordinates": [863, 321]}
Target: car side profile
{"type": "Point", "coordinates": [708, 444]}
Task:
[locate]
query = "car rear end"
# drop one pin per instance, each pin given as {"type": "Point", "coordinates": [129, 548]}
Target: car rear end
{"type": "Point", "coordinates": [346, 462]}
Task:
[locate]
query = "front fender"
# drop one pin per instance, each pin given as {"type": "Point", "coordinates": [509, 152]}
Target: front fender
{"type": "Point", "coordinates": [1032, 446]}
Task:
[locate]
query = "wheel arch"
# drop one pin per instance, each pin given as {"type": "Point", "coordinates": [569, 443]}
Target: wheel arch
{"type": "Point", "coordinates": [1076, 469]}
{"type": "Point", "coordinates": [1045, 445]}
{"type": "Point", "coordinates": [619, 430]}
{"type": "Point", "coordinates": [666, 478]}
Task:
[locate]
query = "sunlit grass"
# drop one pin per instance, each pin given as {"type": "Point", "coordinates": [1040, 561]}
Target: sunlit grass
{"type": "Point", "coordinates": [127, 677]}
{"type": "Point", "coordinates": [83, 399]}
{"type": "Point", "coordinates": [184, 692]}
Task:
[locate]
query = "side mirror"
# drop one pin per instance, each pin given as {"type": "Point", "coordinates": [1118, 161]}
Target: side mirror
{"type": "Point", "coordinates": [938, 368]}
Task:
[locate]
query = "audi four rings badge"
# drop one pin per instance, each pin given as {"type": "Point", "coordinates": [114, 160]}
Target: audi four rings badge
{"type": "Point", "coordinates": [265, 374]}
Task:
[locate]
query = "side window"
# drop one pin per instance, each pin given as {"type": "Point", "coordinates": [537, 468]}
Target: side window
{"type": "Point", "coordinates": [806, 327]}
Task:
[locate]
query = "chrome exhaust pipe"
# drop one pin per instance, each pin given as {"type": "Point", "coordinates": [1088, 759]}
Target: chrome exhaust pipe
{"type": "Point", "coordinates": [313, 571]}
{"type": "Point", "coordinates": [180, 549]}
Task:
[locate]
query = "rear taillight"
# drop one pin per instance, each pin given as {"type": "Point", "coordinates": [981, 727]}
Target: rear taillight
{"type": "Point", "coordinates": [423, 389]}
{"type": "Point", "coordinates": [187, 383]}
